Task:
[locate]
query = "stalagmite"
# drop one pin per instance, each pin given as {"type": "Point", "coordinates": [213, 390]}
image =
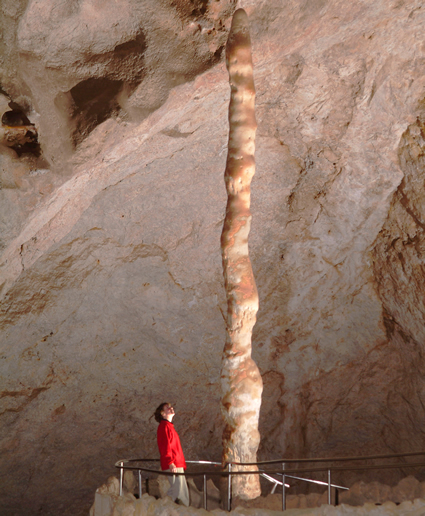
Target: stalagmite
{"type": "Point", "coordinates": [240, 378]}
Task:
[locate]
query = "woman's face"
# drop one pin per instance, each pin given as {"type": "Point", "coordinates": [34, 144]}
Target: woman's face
{"type": "Point", "coordinates": [168, 412]}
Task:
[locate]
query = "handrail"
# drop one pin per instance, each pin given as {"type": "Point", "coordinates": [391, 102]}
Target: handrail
{"type": "Point", "coordinates": [335, 459]}
{"type": "Point", "coordinates": [256, 472]}
{"type": "Point", "coordinates": [278, 482]}
{"type": "Point", "coordinates": [285, 473]}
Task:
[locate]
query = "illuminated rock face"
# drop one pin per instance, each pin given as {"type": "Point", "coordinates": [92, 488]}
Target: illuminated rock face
{"type": "Point", "coordinates": [78, 65]}
{"type": "Point", "coordinates": [111, 274]}
{"type": "Point", "coordinates": [240, 378]}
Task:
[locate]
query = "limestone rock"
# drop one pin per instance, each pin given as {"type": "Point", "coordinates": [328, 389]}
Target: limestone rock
{"type": "Point", "coordinates": [361, 493]}
{"type": "Point", "coordinates": [112, 487]}
{"type": "Point", "coordinates": [241, 382]}
{"type": "Point", "coordinates": [405, 489]}
{"type": "Point", "coordinates": [103, 505]}
{"type": "Point", "coordinates": [195, 495]}
{"type": "Point", "coordinates": [130, 482]}
{"type": "Point", "coordinates": [163, 485]}
{"type": "Point", "coordinates": [214, 500]}
{"type": "Point", "coordinates": [149, 506]}
{"type": "Point", "coordinates": [420, 490]}
{"type": "Point", "coordinates": [314, 499]}
{"type": "Point", "coordinates": [81, 63]}
{"type": "Point", "coordinates": [110, 273]}
{"type": "Point", "coordinates": [125, 506]}
{"type": "Point", "coordinates": [106, 498]}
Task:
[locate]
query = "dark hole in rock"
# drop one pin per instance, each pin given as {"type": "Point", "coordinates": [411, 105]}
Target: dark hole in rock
{"type": "Point", "coordinates": [15, 118]}
{"type": "Point", "coordinates": [94, 101]}
{"type": "Point", "coordinates": [28, 148]}
{"type": "Point", "coordinates": [134, 47]}
{"type": "Point", "coordinates": [217, 54]}
{"type": "Point", "coordinates": [201, 7]}
{"type": "Point", "coordinates": [191, 9]}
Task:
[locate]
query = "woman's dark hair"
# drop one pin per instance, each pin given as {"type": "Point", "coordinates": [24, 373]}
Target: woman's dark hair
{"type": "Point", "coordinates": [157, 414]}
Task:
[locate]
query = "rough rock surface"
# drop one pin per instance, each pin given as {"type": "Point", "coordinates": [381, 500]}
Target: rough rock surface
{"type": "Point", "coordinates": [107, 504]}
{"type": "Point", "coordinates": [111, 287]}
{"type": "Point", "coordinates": [368, 497]}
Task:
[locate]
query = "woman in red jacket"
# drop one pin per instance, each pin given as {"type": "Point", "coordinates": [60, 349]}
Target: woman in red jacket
{"type": "Point", "coordinates": [171, 453]}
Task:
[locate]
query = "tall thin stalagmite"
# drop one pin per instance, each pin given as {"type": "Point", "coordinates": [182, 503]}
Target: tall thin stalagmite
{"type": "Point", "coordinates": [240, 378]}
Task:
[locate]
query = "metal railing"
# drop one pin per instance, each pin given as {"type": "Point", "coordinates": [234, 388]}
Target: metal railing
{"type": "Point", "coordinates": [284, 472]}
{"type": "Point", "coordinates": [123, 465]}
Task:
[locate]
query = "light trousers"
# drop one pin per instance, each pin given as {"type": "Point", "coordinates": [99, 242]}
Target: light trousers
{"type": "Point", "coordinates": [178, 488]}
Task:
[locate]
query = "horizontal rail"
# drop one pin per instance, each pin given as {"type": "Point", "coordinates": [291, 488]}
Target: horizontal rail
{"type": "Point", "coordinates": [335, 459]}
{"type": "Point", "coordinates": [319, 482]}
{"type": "Point", "coordinates": [279, 471]}
{"type": "Point", "coordinates": [159, 460]}
{"type": "Point", "coordinates": [301, 461]}
{"type": "Point", "coordinates": [274, 480]}
{"type": "Point", "coordinates": [204, 462]}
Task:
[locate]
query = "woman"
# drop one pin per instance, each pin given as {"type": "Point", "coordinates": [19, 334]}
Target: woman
{"type": "Point", "coordinates": [171, 453]}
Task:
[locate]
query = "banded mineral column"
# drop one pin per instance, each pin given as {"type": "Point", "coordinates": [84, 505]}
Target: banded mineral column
{"type": "Point", "coordinates": [241, 381]}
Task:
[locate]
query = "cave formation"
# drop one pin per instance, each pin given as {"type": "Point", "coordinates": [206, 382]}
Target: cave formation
{"type": "Point", "coordinates": [111, 281]}
{"type": "Point", "coordinates": [240, 377]}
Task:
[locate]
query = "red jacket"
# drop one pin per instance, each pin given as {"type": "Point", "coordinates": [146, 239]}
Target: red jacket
{"type": "Point", "coordinates": [169, 446]}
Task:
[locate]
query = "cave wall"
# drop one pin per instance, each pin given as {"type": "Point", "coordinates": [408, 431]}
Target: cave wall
{"type": "Point", "coordinates": [112, 296]}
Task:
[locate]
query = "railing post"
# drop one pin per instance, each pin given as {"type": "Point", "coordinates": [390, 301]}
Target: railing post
{"type": "Point", "coordinates": [229, 488]}
{"type": "Point", "coordinates": [121, 476]}
{"type": "Point", "coordinates": [329, 487]}
{"type": "Point", "coordinates": [205, 492]}
{"type": "Point", "coordinates": [283, 488]}
{"type": "Point", "coordinates": [140, 484]}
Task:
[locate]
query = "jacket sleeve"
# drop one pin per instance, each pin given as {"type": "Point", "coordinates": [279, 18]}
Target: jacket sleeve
{"type": "Point", "coordinates": [164, 446]}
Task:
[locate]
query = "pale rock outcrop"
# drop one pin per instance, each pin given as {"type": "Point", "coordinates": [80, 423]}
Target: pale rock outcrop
{"type": "Point", "coordinates": [405, 489]}
{"type": "Point", "coordinates": [420, 491]}
{"type": "Point", "coordinates": [165, 507]}
{"type": "Point", "coordinates": [370, 496]}
{"type": "Point", "coordinates": [106, 498]}
{"type": "Point", "coordinates": [361, 493]}
{"type": "Point", "coordinates": [408, 488]}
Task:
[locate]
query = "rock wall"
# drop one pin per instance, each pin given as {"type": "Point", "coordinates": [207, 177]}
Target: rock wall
{"type": "Point", "coordinates": [111, 288]}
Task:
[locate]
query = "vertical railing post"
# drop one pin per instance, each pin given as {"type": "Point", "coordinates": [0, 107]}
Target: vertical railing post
{"type": "Point", "coordinates": [283, 488]}
{"type": "Point", "coordinates": [121, 476]}
{"type": "Point", "coordinates": [329, 487]}
{"type": "Point", "coordinates": [205, 492]}
{"type": "Point", "coordinates": [229, 488]}
{"type": "Point", "coordinates": [140, 484]}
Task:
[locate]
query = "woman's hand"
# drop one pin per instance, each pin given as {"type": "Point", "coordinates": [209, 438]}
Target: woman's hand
{"type": "Point", "coordinates": [173, 468]}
